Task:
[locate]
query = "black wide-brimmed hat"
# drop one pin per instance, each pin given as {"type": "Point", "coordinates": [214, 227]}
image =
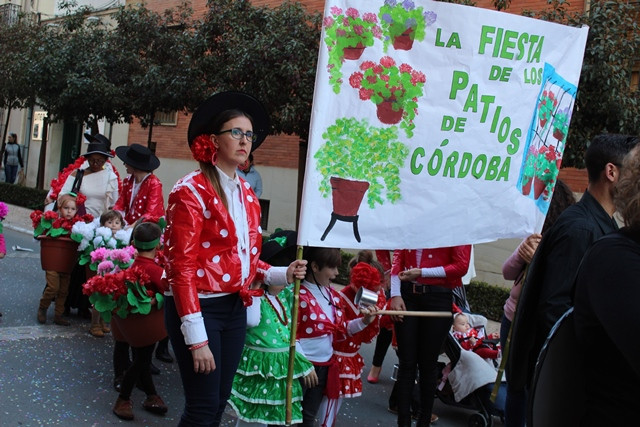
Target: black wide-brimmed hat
{"type": "Point", "coordinates": [279, 249]}
{"type": "Point", "coordinates": [202, 119]}
{"type": "Point", "coordinates": [98, 137]}
{"type": "Point", "coordinates": [98, 148]}
{"type": "Point", "coordinates": [138, 156]}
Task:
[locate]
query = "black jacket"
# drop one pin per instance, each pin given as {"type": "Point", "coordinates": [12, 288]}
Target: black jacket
{"type": "Point", "coordinates": [548, 288]}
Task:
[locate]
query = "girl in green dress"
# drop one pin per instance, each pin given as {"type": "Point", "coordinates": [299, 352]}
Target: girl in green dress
{"type": "Point", "coordinates": [259, 387]}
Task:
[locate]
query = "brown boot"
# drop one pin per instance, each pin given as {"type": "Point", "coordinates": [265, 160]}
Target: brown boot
{"type": "Point", "coordinates": [123, 409]}
{"type": "Point", "coordinates": [59, 320]}
{"type": "Point", "coordinates": [96, 331]}
{"type": "Point", "coordinates": [42, 315]}
{"type": "Point", "coordinates": [154, 404]}
{"type": "Point", "coordinates": [105, 326]}
{"type": "Point", "coordinates": [96, 327]}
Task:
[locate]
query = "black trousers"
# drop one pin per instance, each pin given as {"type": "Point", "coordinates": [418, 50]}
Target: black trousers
{"type": "Point", "coordinates": [312, 397]}
{"type": "Point", "coordinates": [420, 341]}
{"type": "Point", "coordinates": [206, 395]}
{"type": "Point", "coordinates": [383, 340]}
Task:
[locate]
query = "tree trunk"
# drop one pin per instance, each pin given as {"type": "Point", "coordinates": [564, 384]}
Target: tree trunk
{"type": "Point", "coordinates": [152, 118]}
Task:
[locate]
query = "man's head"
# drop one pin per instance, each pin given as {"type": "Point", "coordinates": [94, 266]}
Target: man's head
{"type": "Point", "coordinates": [249, 163]}
{"type": "Point", "coordinates": [605, 154]}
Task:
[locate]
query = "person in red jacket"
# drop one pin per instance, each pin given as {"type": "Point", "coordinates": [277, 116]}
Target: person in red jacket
{"type": "Point", "coordinates": [141, 190]}
{"type": "Point", "coordinates": [213, 241]}
{"type": "Point", "coordinates": [422, 280]}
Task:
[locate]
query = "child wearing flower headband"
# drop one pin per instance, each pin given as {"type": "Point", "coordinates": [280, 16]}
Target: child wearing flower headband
{"type": "Point", "coordinates": [58, 283]}
{"type": "Point", "coordinates": [146, 239]}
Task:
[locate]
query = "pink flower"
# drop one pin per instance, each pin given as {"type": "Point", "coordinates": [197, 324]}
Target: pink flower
{"type": "Point", "coordinates": [335, 10]}
{"type": "Point", "coordinates": [328, 21]}
{"type": "Point", "coordinates": [372, 79]}
{"type": "Point", "coordinates": [352, 13]}
{"type": "Point", "coordinates": [377, 32]}
{"type": "Point", "coordinates": [105, 267]}
{"type": "Point", "coordinates": [384, 78]}
{"type": "Point", "coordinates": [341, 32]}
{"type": "Point", "coordinates": [387, 61]}
{"type": "Point", "coordinates": [345, 22]}
{"type": "Point", "coordinates": [98, 255]}
{"type": "Point", "coordinates": [358, 29]}
{"type": "Point", "coordinates": [377, 69]}
{"type": "Point", "coordinates": [370, 17]}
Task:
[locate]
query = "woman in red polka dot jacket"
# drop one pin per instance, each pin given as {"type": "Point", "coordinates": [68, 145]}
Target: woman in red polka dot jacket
{"type": "Point", "coordinates": [212, 247]}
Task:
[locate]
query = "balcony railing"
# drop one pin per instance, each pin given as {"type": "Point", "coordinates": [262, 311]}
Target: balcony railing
{"type": "Point", "coordinates": [9, 14]}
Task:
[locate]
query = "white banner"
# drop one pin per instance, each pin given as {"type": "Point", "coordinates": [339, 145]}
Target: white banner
{"type": "Point", "coordinates": [435, 124]}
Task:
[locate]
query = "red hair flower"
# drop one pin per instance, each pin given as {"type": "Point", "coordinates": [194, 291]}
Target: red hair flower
{"type": "Point", "coordinates": [203, 150]}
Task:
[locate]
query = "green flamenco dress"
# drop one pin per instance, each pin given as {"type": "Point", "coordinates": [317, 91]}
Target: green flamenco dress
{"type": "Point", "coordinates": [259, 387]}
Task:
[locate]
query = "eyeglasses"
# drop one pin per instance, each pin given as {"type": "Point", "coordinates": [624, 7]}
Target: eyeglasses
{"type": "Point", "coordinates": [238, 134]}
{"type": "Point", "coordinates": [97, 161]}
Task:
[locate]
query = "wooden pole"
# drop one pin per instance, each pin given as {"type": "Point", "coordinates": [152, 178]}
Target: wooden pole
{"type": "Point", "coordinates": [292, 344]}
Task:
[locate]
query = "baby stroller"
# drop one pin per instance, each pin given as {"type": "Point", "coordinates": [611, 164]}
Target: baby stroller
{"type": "Point", "coordinates": [468, 379]}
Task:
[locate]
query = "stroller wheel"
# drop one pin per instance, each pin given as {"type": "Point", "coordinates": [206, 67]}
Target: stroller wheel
{"type": "Point", "coordinates": [478, 420]}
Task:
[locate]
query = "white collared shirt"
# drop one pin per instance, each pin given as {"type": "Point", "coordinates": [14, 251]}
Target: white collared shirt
{"type": "Point", "coordinates": [233, 191]}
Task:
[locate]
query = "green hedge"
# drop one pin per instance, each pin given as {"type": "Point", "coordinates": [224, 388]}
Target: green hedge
{"type": "Point", "coordinates": [343, 270]}
{"type": "Point", "coordinates": [487, 299]}
{"type": "Point", "coordinates": [31, 198]}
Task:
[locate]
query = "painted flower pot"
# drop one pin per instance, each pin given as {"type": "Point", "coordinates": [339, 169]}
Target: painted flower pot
{"type": "Point", "coordinates": [543, 123]}
{"type": "Point", "coordinates": [538, 187]}
{"type": "Point", "coordinates": [58, 254]}
{"type": "Point", "coordinates": [347, 195]}
{"type": "Point", "coordinates": [404, 41]}
{"type": "Point", "coordinates": [558, 134]}
{"type": "Point", "coordinates": [353, 53]}
{"type": "Point", "coordinates": [141, 330]}
{"type": "Point", "coordinates": [387, 115]}
{"type": "Point", "coordinates": [526, 187]}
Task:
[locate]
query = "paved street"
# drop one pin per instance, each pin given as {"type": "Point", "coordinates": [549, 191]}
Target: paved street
{"type": "Point", "coordinates": [61, 376]}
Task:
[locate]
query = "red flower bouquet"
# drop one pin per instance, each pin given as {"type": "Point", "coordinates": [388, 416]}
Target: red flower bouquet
{"type": "Point", "coordinates": [53, 225]}
{"type": "Point", "coordinates": [122, 293]}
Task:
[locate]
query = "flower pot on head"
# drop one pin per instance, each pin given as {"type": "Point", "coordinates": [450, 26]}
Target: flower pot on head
{"type": "Point", "coordinates": [58, 254]}
{"type": "Point", "coordinates": [353, 53]}
{"type": "Point", "coordinates": [141, 330]}
{"type": "Point", "coordinates": [404, 41]}
{"type": "Point", "coordinates": [387, 115]}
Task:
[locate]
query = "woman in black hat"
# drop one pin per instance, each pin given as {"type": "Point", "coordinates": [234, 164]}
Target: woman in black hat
{"type": "Point", "coordinates": [97, 182]}
{"type": "Point", "coordinates": [212, 246]}
{"type": "Point", "coordinates": [141, 190]}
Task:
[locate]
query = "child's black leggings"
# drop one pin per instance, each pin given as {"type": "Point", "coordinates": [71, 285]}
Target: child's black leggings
{"type": "Point", "coordinates": [140, 369]}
